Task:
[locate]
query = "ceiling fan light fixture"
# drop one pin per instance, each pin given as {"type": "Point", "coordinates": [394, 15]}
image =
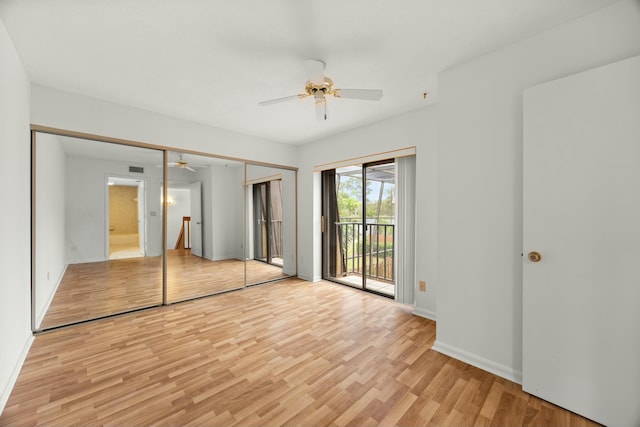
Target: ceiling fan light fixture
{"type": "Point", "coordinates": [319, 87]}
{"type": "Point", "coordinates": [325, 88]}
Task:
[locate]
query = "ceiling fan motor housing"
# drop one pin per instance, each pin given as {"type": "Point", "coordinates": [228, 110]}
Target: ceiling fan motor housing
{"type": "Point", "coordinates": [324, 88]}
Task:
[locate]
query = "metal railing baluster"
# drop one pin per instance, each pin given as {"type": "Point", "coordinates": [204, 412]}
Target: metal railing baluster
{"type": "Point", "coordinates": [354, 251]}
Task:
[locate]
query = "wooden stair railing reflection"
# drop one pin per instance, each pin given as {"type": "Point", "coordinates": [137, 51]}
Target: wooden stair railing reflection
{"type": "Point", "coordinates": [185, 234]}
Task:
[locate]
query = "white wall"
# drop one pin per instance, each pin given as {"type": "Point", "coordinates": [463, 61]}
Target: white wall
{"type": "Point", "coordinates": [50, 220]}
{"type": "Point", "coordinates": [15, 306]}
{"type": "Point", "coordinates": [205, 177]}
{"type": "Point", "coordinates": [289, 225]}
{"type": "Point", "coordinates": [86, 209]}
{"type": "Point", "coordinates": [64, 110]}
{"type": "Point", "coordinates": [222, 211]}
{"type": "Point", "coordinates": [417, 128]}
{"type": "Point", "coordinates": [239, 200]}
{"type": "Point", "coordinates": [480, 179]}
{"type": "Point", "coordinates": [227, 207]}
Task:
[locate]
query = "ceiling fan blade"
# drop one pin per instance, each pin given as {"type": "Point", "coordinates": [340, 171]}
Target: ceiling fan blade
{"type": "Point", "coordinates": [315, 70]}
{"type": "Point", "coordinates": [279, 100]}
{"type": "Point", "coordinates": [321, 109]}
{"type": "Point", "coordinates": [366, 94]}
{"type": "Point", "coordinates": [189, 169]}
{"type": "Point", "coordinates": [171, 164]}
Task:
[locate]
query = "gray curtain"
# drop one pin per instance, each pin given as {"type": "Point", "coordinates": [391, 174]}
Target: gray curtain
{"type": "Point", "coordinates": [276, 218]}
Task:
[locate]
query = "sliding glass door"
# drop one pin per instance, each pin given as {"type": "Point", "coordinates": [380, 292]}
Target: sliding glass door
{"type": "Point", "coordinates": [379, 227]}
{"type": "Point", "coordinates": [267, 205]}
{"type": "Point", "coordinates": [359, 226]}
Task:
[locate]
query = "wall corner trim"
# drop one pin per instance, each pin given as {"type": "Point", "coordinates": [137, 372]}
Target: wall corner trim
{"type": "Point", "coordinates": [8, 387]}
{"type": "Point", "coordinates": [498, 369]}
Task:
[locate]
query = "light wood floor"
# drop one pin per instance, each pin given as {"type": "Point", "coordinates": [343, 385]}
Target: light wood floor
{"type": "Point", "coordinates": [98, 289]}
{"type": "Point", "coordinates": [288, 353]}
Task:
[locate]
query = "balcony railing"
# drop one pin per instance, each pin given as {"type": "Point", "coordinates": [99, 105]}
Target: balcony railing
{"type": "Point", "coordinates": [378, 254]}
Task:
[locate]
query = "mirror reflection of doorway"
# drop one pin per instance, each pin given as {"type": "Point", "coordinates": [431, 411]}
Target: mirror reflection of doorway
{"type": "Point", "coordinates": [179, 216]}
{"type": "Point", "coordinates": [359, 238]}
{"type": "Point", "coordinates": [184, 220]}
{"type": "Point", "coordinates": [126, 217]}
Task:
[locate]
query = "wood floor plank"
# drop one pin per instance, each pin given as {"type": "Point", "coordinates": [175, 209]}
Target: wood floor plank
{"type": "Point", "coordinates": [289, 353]}
{"type": "Point", "coordinates": [97, 289]}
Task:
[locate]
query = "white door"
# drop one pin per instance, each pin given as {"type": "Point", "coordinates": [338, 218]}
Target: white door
{"type": "Point", "coordinates": [142, 218]}
{"type": "Point", "coordinates": [581, 301]}
{"type": "Point", "coordinates": [195, 196]}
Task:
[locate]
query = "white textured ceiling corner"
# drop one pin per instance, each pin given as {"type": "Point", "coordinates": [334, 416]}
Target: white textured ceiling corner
{"type": "Point", "coordinates": [212, 61]}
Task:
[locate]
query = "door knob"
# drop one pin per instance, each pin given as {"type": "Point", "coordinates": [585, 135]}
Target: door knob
{"type": "Point", "coordinates": [534, 256]}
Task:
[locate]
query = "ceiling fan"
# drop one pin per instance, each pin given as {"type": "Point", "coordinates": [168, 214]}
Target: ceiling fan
{"type": "Point", "coordinates": [319, 87]}
{"type": "Point", "coordinates": [182, 164]}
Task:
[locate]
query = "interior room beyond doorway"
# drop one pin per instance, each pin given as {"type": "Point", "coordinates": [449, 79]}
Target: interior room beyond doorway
{"type": "Point", "coordinates": [126, 217]}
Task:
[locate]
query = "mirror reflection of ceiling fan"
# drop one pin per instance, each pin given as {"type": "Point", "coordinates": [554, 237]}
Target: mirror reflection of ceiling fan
{"type": "Point", "coordinates": [183, 164]}
{"type": "Point", "coordinates": [319, 87]}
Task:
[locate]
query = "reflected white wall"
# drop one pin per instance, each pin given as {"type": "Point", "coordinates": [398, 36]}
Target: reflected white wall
{"type": "Point", "coordinates": [50, 220]}
{"type": "Point", "coordinates": [86, 206]}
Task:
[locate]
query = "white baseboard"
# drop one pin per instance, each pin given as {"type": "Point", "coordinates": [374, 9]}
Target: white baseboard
{"type": "Point", "coordinates": [87, 260]}
{"type": "Point", "coordinates": [479, 362]}
{"type": "Point", "coordinates": [427, 314]}
{"type": "Point", "coordinates": [8, 388]}
{"type": "Point", "coordinates": [222, 258]}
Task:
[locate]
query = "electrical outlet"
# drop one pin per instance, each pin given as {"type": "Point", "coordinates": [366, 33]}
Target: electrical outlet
{"type": "Point", "coordinates": [422, 285]}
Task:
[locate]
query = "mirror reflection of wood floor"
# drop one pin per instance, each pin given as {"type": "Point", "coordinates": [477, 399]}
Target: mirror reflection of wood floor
{"type": "Point", "coordinates": [97, 289]}
{"type": "Point", "coordinates": [289, 353]}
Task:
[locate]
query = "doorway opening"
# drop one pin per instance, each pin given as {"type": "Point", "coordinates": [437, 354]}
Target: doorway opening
{"type": "Point", "coordinates": [184, 218]}
{"type": "Point", "coordinates": [127, 222]}
{"type": "Point", "coordinates": [358, 205]}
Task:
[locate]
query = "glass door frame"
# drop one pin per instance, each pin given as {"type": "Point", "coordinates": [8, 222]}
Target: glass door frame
{"type": "Point", "coordinates": [330, 232]}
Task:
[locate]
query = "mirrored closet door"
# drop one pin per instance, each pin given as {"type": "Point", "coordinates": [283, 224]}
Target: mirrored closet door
{"type": "Point", "coordinates": [99, 242]}
{"type": "Point", "coordinates": [97, 229]}
{"type": "Point", "coordinates": [205, 211]}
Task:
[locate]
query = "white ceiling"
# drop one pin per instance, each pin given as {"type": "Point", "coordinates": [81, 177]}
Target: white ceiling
{"type": "Point", "coordinates": [212, 61]}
